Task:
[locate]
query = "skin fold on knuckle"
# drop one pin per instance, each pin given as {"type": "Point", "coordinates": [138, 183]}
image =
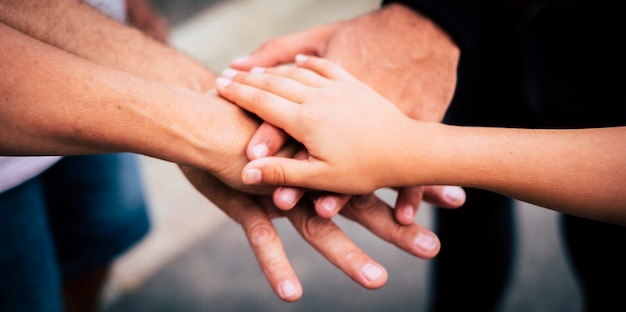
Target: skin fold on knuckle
{"type": "Point", "coordinates": [365, 204]}
{"type": "Point", "coordinates": [274, 174]}
{"type": "Point", "coordinates": [316, 229]}
{"type": "Point", "coordinates": [258, 98]}
{"type": "Point", "coordinates": [275, 266]}
{"type": "Point", "coordinates": [272, 83]}
{"type": "Point", "coordinates": [260, 233]}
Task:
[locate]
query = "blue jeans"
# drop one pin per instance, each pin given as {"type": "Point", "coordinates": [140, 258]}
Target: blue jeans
{"type": "Point", "coordinates": [75, 217]}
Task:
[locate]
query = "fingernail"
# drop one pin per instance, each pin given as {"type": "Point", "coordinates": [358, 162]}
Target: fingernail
{"type": "Point", "coordinates": [425, 242]}
{"type": "Point", "coordinates": [329, 204]}
{"type": "Point", "coordinates": [229, 72]}
{"type": "Point", "coordinates": [252, 176]}
{"type": "Point", "coordinates": [222, 82]}
{"type": "Point", "coordinates": [241, 59]}
{"type": "Point", "coordinates": [257, 70]}
{"type": "Point", "coordinates": [287, 288]}
{"type": "Point", "coordinates": [454, 194]}
{"type": "Point", "coordinates": [260, 150]}
{"type": "Point", "coordinates": [371, 271]}
{"type": "Point", "coordinates": [301, 58]}
{"type": "Point", "coordinates": [288, 196]}
{"type": "Point", "coordinates": [407, 212]}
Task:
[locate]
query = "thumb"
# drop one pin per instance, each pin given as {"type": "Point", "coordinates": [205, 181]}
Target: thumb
{"type": "Point", "coordinates": [266, 141]}
{"type": "Point", "coordinates": [283, 50]}
{"type": "Point", "coordinates": [281, 171]}
{"type": "Point", "coordinates": [445, 196]}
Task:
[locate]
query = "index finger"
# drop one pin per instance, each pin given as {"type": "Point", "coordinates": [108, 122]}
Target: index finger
{"type": "Point", "coordinates": [268, 106]}
{"type": "Point", "coordinates": [260, 231]}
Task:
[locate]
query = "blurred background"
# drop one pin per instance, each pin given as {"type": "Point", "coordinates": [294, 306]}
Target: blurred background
{"type": "Point", "coordinates": [196, 259]}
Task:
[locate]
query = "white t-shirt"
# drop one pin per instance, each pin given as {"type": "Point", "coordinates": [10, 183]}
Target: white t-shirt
{"type": "Point", "coordinates": [17, 170]}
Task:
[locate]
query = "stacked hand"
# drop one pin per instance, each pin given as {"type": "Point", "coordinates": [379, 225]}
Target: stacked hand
{"type": "Point", "coordinates": [411, 62]}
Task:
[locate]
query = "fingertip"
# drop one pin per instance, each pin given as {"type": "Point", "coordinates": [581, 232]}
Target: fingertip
{"type": "Point", "coordinates": [405, 214]}
{"type": "Point", "coordinates": [301, 59]}
{"type": "Point", "coordinates": [229, 72]}
{"type": "Point", "coordinates": [326, 206]}
{"type": "Point", "coordinates": [285, 198]}
{"type": "Point", "coordinates": [289, 290]}
{"type": "Point", "coordinates": [455, 195]}
{"type": "Point", "coordinates": [222, 82]}
{"type": "Point", "coordinates": [428, 244]}
{"type": "Point", "coordinates": [251, 175]}
{"type": "Point", "coordinates": [242, 62]}
{"type": "Point", "coordinates": [260, 150]}
{"type": "Point", "coordinates": [374, 274]}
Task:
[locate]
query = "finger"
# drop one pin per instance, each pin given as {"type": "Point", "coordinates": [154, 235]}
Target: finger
{"type": "Point", "coordinates": [302, 75]}
{"type": "Point", "coordinates": [407, 203]}
{"type": "Point", "coordinates": [445, 196]}
{"type": "Point", "coordinates": [285, 87]}
{"type": "Point", "coordinates": [376, 216]}
{"type": "Point", "coordinates": [281, 171]}
{"type": "Point", "coordinates": [328, 205]}
{"type": "Point", "coordinates": [324, 67]}
{"type": "Point", "coordinates": [283, 49]}
{"type": "Point", "coordinates": [270, 253]}
{"type": "Point", "coordinates": [260, 232]}
{"type": "Point", "coordinates": [266, 141]}
{"type": "Point", "coordinates": [286, 198]}
{"type": "Point", "coordinates": [268, 106]}
{"type": "Point", "coordinates": [333, 244]}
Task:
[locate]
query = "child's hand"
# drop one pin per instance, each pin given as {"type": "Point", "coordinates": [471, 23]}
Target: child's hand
{"type": "Point", "coordinates": [352, 134]}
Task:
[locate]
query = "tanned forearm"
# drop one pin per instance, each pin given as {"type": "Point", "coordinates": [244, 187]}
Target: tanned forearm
{"type": "Point", "coordinates": [80, 29]}
{"type": "Point", "coordinates": [55, 103]}
{"type": "Point", "coordinates": [216, 142]}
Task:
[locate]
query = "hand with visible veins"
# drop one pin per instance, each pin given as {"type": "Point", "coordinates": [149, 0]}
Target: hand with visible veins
{"type": "Point", "coordinates": [255, 213]}
{"type": "Point", "coordinates": [398, 52]}
{"type": "Point", "coordinates": [129, 81]}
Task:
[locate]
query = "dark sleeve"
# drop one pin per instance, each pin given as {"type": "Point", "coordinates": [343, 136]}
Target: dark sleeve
{"type": "Point", "coordinates": [461, 19]}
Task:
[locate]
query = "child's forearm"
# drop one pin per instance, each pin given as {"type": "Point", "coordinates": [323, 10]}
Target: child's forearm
{"type": "Point", "coordinates": [582, 171]}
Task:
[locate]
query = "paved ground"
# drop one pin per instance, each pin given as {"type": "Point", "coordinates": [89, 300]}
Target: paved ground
{"type": "Point", "coordinates": [197, 260]}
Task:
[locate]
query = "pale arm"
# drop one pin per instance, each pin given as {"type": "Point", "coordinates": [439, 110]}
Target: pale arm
{"type": "Point", "coordinates": [356, 150]}
{"type": "Point", "coordinates": [578, 171]}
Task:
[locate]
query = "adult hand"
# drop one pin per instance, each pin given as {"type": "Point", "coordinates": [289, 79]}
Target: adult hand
{"type": "Point", "coordinates": [399, 53]}
{"type": "Point", "coordinates": [254, 213]}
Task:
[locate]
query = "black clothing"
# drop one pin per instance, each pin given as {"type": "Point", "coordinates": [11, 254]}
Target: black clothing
{"type": "Point", "coordinates": [533, 64]}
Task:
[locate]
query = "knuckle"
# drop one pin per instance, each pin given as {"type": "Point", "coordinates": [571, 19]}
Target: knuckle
{"type": "Point", "coordinates": [316, 227]}
{"type": "Point", "coordinates": [260, 233]}
{"type": "Point", "coordinates": [274, 266]}
{"type": "Point", "coordinates": [272, 82]}
{"type": "Point", "coordinates": [329, 93]}
{"type": "Point", "coordinates": [259, 97]}
{"type": "Point", "coordinates": [364, 203]}
{"type": "Point", "coordinates": [351, 254]}
{"type": "Point", "coordinates": [277, 175]}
